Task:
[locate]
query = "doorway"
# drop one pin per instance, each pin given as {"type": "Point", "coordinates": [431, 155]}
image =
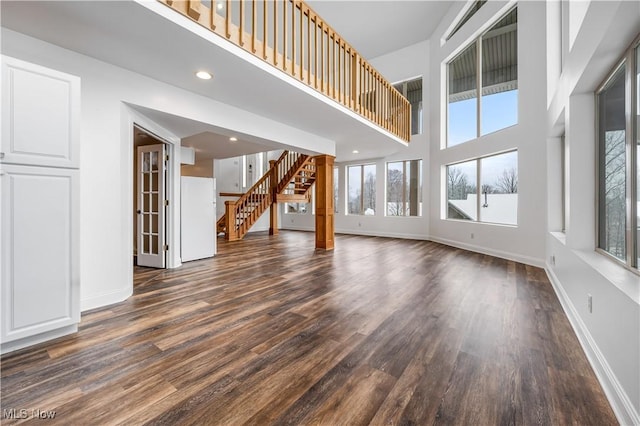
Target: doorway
{"type": "Point", "coordinates": [150, 198]}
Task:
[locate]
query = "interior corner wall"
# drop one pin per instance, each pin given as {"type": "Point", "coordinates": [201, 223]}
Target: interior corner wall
{"type": "Point", "coordinates": [609, 332]}
{"type": "Point", "coordinates": [524, 242]}
{"type": "Point", "coordinates": [105, 208]}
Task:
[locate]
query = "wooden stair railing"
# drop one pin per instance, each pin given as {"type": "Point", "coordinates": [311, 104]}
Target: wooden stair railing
{"type": "Point", "coordinates": [289, 178]}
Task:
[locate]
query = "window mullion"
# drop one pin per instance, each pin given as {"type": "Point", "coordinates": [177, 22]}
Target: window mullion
{"type": "Point", "coordinates": [478, 188]}
{"type": "Point", "coordinates": [631, 201]}
{"type": "Point", "coordinates": [362, 189]}
{"type": "Point", "coordinates": [479, 86]}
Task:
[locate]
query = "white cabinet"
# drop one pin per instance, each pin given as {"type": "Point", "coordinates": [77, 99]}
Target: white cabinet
{"type": "Point", "coordinates": [39, 213]}
{"type": "Point", "coordinates": [40, 115]}
{"type": "Point", "coordinates": [40, 280]}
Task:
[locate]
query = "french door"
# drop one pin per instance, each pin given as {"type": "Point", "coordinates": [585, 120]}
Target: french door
{"type": "Point", "coordinates": [151, 206]}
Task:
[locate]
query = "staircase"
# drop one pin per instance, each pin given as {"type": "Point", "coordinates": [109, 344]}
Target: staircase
{"type": "Point", "coordinates": [289, 179]}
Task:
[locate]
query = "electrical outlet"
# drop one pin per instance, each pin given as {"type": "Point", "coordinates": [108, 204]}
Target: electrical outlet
{"type": "Point", "coordinates": [472, 236]}
{"type": "Point", "coordinates": [590, 303]}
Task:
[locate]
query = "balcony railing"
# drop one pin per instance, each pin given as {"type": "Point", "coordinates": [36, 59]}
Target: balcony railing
{"type": "Point", "coordinates": [289, 35]}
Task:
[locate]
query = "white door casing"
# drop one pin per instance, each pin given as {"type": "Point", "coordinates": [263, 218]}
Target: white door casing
{"type": "Point", "coordinates": [151, 206]}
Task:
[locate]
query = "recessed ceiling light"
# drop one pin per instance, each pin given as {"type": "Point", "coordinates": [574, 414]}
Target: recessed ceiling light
{"type": "Point", "coordinates": [355, 151]}
{"type": "Point", "coordinates": [233, 139]}
{"type": "Point", "coordinates": [220, 6]}
{"type": "Point", "coordinates": [203, 75]}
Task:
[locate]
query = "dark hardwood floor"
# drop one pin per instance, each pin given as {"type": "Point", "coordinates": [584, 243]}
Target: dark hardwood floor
{"type": "Point", "coordinates": [270, 331]}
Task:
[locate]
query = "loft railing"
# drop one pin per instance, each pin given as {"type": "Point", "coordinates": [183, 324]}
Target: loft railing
{"type": "Point", "coordinates": [289, 35]}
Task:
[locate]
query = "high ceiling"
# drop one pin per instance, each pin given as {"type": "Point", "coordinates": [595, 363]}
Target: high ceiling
{"type": "Point", "coordinates": [104, 30]}
{"type": "Point", "coordinates": [375, 28]}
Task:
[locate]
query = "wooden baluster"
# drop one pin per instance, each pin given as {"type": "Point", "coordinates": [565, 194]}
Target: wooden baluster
{"type": "Point", "coordinates": [301, 42]}
{"type": "Point", "coordinates": [228, 19]}
{"type": "Point", "coordinates": [254, 25]}
{"type": "Point", "coordinates": [293, 37]}
{"type": "Point", "coordinates": [308, 47]}
{"type": "Point", "coordinates": [275, 32]}
{"type": "Point", "coordinates": [316, 57]}
{"type": "Point", "coordinates": [284, 33]}
{"type": "Point", "coordinates": [212, 16]}
{"type": "Point", "coordinates": [322, 56]}
{"type": "Point", "coordinates": [264, 29]}
{"type": "Point", "coordinates": [333, 64]}
{"type": "Point", "coordinates": [241, 28]}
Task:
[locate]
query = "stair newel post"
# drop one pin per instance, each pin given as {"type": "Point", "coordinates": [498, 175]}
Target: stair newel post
{"type": "Point", "coordinates": [273, 189]}
{"type": "Point", "coordinates": [230, 221]}
{"type": "Point", "coordinates": [324, 202]}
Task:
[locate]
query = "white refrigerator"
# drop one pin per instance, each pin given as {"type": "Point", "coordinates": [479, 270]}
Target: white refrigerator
{"type": "Point", "coordinates": [198, 218]}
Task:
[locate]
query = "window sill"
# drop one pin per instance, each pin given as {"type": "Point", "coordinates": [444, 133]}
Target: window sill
{"type": "Point", "coordinates": [560, 236]}
{"type": "Point", "coordinates": [625, 280]}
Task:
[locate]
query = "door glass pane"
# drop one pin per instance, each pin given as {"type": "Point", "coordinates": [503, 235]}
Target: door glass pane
{"type": "Point", "coordinates": [463, 97]}
{"type": "Point", "coordinates": [500, 75]}
{"type": "Point", "coordinates": [154, 203]}
{"type": "Point", "coordinates": [145, 179]}
{"type": "Point", "coordinates": [145, 162]}
{"type": "Point", "coordinates": [462, 199]}
{"type": "Point", "coordinates": [369, 190]}
{"type": "Point", "coordinates": [499, 189]}
{"type": "Point", "coordinates": [612, 167]}
{"type": "Point", "coordinates": [154, 181]}
{"type": "Point", "coordinates": [154, 222]}
{"type": "Point", "coordinates": [154, 160]}
{"type": "Point", "coordinates": [145, 241]}
{"type": "Point", "coordinates": [146, 225]}
{"type": "Point", "coordinates": [154, 244]}
{"type": "Point", "coordinates": [145, 202]}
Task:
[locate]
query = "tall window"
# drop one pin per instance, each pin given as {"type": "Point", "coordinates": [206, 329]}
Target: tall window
{"type": "Point", "coordinates": [335, 190]}
{"type": "Point", "coordinates": [404, 194]}
{"type": "Point", "coordinates": [412, 90]}
{"type": "Point", "coordinates": [361, 182]}
{"type": "Point", "coordinates": [618, 155]}
{"type": "Point", "coordinates": [495, 200]}
{"type": "Point", "coordinates": [483, 84]}
{"type": "Point", "coordinates": [469, 13]}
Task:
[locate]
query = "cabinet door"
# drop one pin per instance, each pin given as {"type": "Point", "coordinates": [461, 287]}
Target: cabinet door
{"type": "Point", "coordinates": [40, 239]}
{"type": "Point", "coordinates": [40, 115]}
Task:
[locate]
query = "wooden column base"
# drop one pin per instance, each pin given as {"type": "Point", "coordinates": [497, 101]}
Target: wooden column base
{"type": "Point", "coordinates": [324, 202]}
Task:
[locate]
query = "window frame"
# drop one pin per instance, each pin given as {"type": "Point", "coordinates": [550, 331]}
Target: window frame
{"type": "Point", "coordinates": [629, 60]}
{"type": "Point", "coordinates": [362, 181]}
{"type": "Point", "coordinates": [478, 177]}
{"type": "Point", "coordinates": [405, 167]}
{"type": "Point", "coordinates": [477, 42]}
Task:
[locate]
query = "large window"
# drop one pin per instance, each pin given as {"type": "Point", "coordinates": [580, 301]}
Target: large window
{"type": "Point", "coordinates": [495, 200]}
{"type": "Point", "coordinates": [412, 90]}
{"type": "Point", "coordinates": [336, 193]}
{"type": "Point", "coordinates": [361, 183]}
{"type": "Point", "coordinates": [475, 6]}
{"type": "Point", "coordinates": [483, 84]}
{"type": "Point", "coordinates": [404, 188]}
{"type": "Point", "coordinates": [618, 155]}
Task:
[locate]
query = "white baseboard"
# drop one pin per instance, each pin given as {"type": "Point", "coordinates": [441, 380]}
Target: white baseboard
{"type": "Point", "coordinates": [618, 398]}
{"type": "Point", "coordinates": [105, 299]}
{"type": "Point", "coordinates": [362, 232]}
{"type": "Point", "coordinates": [38, 338]}
{"type": "Point", "coordinates": [527, 260]}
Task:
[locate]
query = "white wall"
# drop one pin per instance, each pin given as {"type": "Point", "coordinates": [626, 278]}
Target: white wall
{"type": "Point", "coordinates": [106, 266]}
{"type": "Point", "coordinates": [599, 33]}
{"type": "Point", "coordinates": [404, 64]}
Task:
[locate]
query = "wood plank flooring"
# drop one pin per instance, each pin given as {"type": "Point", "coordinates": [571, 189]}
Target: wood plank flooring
{"type": "Point", "coordinates": [379, 331]}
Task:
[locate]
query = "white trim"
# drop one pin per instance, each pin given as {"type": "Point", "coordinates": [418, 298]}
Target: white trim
{"type": "Point", "coordinates": [38, 338]}
{"type": "Point", "coordinates": [106, 299]}
{"type": "Point", "coordinates": [618, 398]}
{"type": "Point", "coordinates": [527, 260]}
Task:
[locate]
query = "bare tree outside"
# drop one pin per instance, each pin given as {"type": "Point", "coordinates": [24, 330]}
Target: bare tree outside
{"type": "Point", "coordinates": [507, 182]}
